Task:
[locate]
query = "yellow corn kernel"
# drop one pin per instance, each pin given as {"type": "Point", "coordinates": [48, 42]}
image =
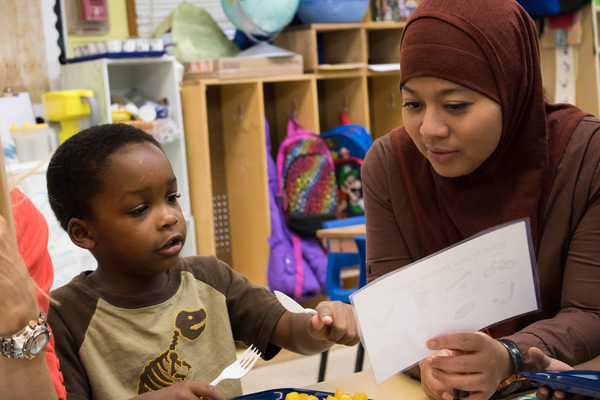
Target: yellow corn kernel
{"type": "Point", "coordinates": [292, 396]}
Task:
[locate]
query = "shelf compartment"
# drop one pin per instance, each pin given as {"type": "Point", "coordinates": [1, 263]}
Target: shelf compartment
{"type": "Point", "coordinates": [337, 46]}
{"type": "Point", "coordinates": [281, 99]}
{"type": "Point", "coordinates": [384, 46]}
{"type": "Point", "coordinates": [349, 94]}
{"type": "Point", "coordinates": [227, 164]}
{"type": "Point", "coordinates": [385, 104]}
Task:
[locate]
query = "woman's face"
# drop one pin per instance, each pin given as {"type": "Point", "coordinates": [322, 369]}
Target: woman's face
{"type": "Point", "coordinates": [455, 128]}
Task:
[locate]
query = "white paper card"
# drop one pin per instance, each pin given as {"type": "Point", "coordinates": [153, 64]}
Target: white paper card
{"type": "Point", "coordinates": [465, 288]}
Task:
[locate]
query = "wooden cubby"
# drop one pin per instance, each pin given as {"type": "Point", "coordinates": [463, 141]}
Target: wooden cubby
{"type": "Point", "coordinates": [283, 98]}
{"type": "Point", "coordinates": [348, 94]}
{"type": "Point", "coordinates": [385, 104]}
{"type": "Point", "coordinates": [227, 161]}
{"type": "Point", "coordinates": [384, 45]}
{"type": "Point", "coordinates": [229, 171]}
{"type": "Point", "coordinates": [355, 45]}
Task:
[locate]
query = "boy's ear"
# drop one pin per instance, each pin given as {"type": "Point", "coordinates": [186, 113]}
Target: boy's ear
{"type": "Point", "coordinates": [80, 233]}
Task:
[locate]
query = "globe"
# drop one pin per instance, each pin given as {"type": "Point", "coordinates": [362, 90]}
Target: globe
{"type": "Point", "coordinates": [265, 18]}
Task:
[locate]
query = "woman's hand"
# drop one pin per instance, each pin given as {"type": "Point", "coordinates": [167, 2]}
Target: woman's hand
{"type": "Point", "coordinates": [335, 323]}
{"type": "Point", "coordinates": [18, 300]}
{"type": "Point", "coordinates": [433, 388]}
{"type": "Point", "coordinates": [478, 364]}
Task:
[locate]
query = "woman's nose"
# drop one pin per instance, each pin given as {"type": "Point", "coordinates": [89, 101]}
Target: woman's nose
{"type": "Point", "coordinates": [433, 125]}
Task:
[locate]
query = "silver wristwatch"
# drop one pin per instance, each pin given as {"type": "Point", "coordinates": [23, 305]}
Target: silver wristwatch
{"type": "Point", "coordinates": [29, 342]}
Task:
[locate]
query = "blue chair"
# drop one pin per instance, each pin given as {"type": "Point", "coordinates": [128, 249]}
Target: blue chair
{"type": "Point", "coordinates": [335, 263]}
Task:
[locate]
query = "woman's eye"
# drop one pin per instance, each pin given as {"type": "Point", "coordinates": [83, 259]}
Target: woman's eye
{"type": "Point", "coordinates": [173, 198]}
{"type": "Point", "coordinates": [138, 211]}
{"type": "Point", "coordinates": [457, 106]}
{"type": "Point", "coordinates": [411, 105]}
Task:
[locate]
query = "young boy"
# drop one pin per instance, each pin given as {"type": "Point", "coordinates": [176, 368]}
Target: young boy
{"type": "Point", "coordinates": [146, 322]}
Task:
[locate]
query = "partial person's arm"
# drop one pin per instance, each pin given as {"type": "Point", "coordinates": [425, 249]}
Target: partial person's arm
{"type": "Point", "coordinates": [386, 246]}
{"type": "Point", "coordinates": [573, 335]}
{"type": "Point", "coordinates": [19, 379]}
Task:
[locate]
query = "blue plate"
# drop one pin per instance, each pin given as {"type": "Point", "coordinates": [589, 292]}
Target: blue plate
{"type": "Point", "coordinates": [123, 54]}
{"type": "Point", "coordinates": [586, 383]}
{"type": "Point", "coordinates": [279, 394]}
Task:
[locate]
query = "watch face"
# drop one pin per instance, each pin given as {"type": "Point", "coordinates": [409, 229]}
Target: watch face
{"type": "Point", "coordinates": [38, 344]}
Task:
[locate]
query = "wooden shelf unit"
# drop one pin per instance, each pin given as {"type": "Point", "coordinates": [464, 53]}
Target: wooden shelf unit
{"type": "Point", "coordinates": [225, 130]}
{"type": "Point", "coordinates": [359, 43]}
{"type": "Point", "coordinates": [226, 150]}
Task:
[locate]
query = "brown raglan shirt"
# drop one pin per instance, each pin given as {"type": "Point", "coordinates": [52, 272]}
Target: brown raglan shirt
{"type": "Point", "coordinates": [117, 347]}
{"type": "Point", "coordinates": [568, 256]}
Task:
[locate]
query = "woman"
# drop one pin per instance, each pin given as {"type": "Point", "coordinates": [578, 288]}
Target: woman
{"type": "Point", "coordinates": [482, 146]}
{"type": "Point", "coordinates": [25, 264]}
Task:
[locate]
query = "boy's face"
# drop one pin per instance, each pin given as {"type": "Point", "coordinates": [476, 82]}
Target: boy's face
{"type": "Point", "coordinates": [138, 225]}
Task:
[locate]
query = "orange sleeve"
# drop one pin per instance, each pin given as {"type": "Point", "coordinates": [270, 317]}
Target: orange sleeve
{"type": "Point", "coordinates": [32, 238]}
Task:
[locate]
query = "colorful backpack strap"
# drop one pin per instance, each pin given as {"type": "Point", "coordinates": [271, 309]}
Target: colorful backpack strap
{"type": "Point", "coordinates": [299, 265]}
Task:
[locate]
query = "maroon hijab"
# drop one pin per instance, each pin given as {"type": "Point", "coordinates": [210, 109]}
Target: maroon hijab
{"type": "Point", "coordinates": [489, 46]}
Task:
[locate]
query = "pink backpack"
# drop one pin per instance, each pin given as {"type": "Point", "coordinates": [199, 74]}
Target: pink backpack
{"type": "Point", "coordinates": [307, 183]}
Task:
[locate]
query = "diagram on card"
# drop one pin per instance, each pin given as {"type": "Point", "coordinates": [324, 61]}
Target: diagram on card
{"type": "Point", "coordinates": [465, 288]}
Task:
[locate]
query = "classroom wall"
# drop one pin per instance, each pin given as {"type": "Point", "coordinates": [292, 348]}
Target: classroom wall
{"type": "Point", "coordinates": [23, 47]}
{"type": "Point", "coordinates": [119, 28]}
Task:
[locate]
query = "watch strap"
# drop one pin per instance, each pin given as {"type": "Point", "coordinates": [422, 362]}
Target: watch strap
{"type": "Point", "coordinates": [515, 355]}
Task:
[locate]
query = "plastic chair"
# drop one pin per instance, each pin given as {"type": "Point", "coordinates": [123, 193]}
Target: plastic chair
{"type": "Point", "coordinates": [335, 291]}
{"type": "Point", "coordinates": [337, 261]}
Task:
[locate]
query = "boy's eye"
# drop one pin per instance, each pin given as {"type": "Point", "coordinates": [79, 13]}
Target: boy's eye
{"type": "Point", "coordinates": [138, 211]}
{"type": "Point", "coordinates": [412, 105]}
{"type": "Point", "coordinates": [173, 198]}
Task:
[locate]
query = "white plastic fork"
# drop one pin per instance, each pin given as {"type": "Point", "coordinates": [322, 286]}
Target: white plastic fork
{"type": "Point", "coordinates": [240, 367]}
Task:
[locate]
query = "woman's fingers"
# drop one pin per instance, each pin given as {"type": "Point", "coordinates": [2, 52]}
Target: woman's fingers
{"type": "Point", "coordinates": [457, 341]}
{"type": "Point", "coordinates": [461, 364]}
{"type": "Point", "coordinates": [468, 383]}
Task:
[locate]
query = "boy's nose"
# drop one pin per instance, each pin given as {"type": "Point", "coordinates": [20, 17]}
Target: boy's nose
{"type": "Point", "coordinates": [168, 217]}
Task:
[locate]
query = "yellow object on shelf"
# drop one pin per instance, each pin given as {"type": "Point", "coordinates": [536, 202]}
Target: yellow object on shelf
{"type": "Point", "coordinates": [68, 107]}
{"type": "Point", "coordinates": [121, 115]}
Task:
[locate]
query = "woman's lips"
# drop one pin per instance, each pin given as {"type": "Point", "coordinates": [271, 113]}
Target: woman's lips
{"type": "Point", "coordinates": [440, 156]}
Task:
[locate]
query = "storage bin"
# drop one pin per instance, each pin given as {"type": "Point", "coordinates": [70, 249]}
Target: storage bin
{"type": "Point", "coordinates": [332, 11]}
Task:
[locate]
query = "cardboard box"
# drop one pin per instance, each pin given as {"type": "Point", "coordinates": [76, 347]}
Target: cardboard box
{"type": "Point", "coordinates": [243, 67]}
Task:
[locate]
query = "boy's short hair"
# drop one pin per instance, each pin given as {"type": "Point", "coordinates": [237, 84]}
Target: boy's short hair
{"type": "Point", "coordinates": [74, 176]}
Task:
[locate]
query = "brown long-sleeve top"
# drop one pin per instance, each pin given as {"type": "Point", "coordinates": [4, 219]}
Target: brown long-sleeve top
{"type": "Point", "coordinates": [568, 255]}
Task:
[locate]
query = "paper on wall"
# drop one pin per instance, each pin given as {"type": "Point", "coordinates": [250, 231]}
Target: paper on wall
{"type": "Point", "coordinates": [477, 283]}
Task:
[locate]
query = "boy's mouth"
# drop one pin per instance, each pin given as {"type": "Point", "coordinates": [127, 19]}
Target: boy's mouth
{"type": "Point", "coordinates": [172, 246]}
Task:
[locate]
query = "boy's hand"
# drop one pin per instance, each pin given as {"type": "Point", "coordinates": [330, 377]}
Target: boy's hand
{"type": "Point", "coordinates": [335, 323]}
{"type": "Point", "coordinates": [186, 390]}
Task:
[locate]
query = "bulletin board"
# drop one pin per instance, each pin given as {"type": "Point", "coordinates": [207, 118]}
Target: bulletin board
{"type": "Point", "coordinates": [23, 48]}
